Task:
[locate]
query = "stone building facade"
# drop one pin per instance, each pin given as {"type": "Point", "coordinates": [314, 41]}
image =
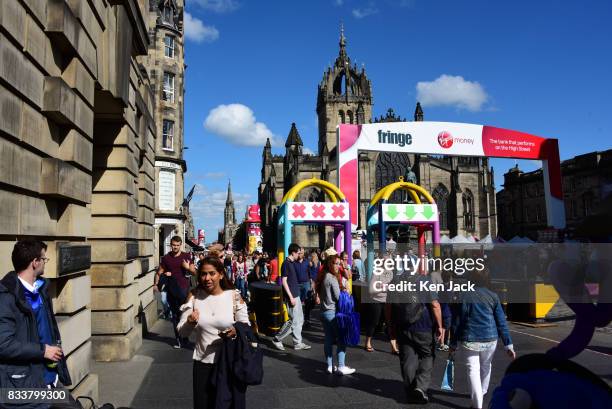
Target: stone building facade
{"type": "Point", "coordinates": [77, 158]}
{"type": "Point", "coordinates": [462, 186]}
{"type": "Point", "coordinates": [165, 64]}
{"type": "Point", "coordinates": [587, 182]}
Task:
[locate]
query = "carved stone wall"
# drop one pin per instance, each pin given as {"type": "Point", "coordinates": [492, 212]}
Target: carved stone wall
{"type": "Point", "coordinates": [77, 152]}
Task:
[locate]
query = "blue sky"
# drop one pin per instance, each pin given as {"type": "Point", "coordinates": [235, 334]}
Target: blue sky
{"type": "Point", "coordinates": [542, 67]}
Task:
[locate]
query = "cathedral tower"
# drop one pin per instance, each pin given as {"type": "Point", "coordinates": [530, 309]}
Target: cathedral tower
{"type": "Point", "coordinates": [344, 97]}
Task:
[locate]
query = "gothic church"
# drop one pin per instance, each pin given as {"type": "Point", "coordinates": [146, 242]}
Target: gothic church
{"type": "Point", "coordinates": [463, 187]}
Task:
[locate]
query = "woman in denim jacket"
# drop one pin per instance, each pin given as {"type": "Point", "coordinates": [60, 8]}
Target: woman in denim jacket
{"type": "Point", "coordinates": [477, 323]}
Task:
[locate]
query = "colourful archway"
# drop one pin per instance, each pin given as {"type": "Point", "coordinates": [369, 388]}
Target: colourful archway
{"type": "Point", "coordinates": [422, 215]}
{"type": "Point", "coordinates": [335, 213]}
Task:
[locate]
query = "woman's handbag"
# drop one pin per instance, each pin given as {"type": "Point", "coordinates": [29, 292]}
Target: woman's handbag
{"type": "Point", "coordinates": [448, 380]}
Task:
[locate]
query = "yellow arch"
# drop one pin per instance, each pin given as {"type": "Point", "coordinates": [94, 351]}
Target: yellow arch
{"type": "Point", "coordinates": [383, 193]}
{"type": "Point", "coordinates": [388, 190]}
{"type": "Point", "coordinates": [293, 193]}
{"type": "Point", "coordinates": [332, 191]}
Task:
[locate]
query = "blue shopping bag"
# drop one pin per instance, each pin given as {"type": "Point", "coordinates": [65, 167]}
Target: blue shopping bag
{"type": "Point", "coordinates": [449, 376]}
{"type": "Point", "coordinates": [348, 320]}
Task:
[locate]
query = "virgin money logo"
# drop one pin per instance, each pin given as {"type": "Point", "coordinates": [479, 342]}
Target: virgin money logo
{"type": "Point", "coordinates": [445, 139]}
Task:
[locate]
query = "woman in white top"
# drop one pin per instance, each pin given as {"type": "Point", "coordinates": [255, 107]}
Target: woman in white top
{"type": "Point", "coordinates": [241, 271]}
{"type": "Point", "coordinates": [211, 311]}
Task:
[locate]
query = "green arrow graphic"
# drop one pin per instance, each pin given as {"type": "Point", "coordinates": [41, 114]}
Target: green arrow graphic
{"type": "Point", "coordinates": [392, 211]}
{"type": "Point", "coordinates": [410, 212]}
{"type": "Point", "coordinates": [428, 212]}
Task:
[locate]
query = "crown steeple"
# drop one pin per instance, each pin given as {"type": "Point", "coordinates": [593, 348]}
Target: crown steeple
{"type": "Point", "coordinates": [344, 97]}
{"type": "Point", "coordinates": [342, 54]}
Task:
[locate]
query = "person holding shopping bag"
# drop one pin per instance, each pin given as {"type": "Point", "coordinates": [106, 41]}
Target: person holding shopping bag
{"type": "Point", "coordinates": [477, 324]}
{"type": "Point", "coordinates": [327, 287]}
{"type": "Point", "coordinates": [211, 311]}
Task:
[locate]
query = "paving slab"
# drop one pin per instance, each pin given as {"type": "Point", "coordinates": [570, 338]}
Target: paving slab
{"type": "Point", "coordinates": [160, 376]}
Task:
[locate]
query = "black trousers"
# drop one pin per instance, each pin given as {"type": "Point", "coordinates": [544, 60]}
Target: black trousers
{"type": "Point", "coordinates": [176, 298]}
{"type": "Point", "coordinates": [416, 358]}
{"type": "Point", "coordinates": [372, 317]}
{"type": "Point", "coordinates": [203, 391]}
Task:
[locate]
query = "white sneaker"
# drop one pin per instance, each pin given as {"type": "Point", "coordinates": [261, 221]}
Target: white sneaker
{"type": "Point", "coordinates": [345, 370]}
{"type": "Point", "coordinates": [301, 345]}
{"type": "Point", "coordinates": [331, 369]}
{"type": "Point", "coordinates": [278, 345]}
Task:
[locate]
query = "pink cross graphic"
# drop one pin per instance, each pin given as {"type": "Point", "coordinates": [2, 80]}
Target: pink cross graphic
{"type": "Point", "coordinates": [298, 210]}
{"type": "Point", "coordinates": [318, 211]}
{"type": "Point", "coordinates": [338, 211]}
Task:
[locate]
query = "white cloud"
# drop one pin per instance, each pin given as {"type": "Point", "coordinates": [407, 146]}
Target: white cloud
{"type": "Point", "coordinates": [338, 2]}
{"type": "Point", "coordinates": [307, 151]}
{"type": "Point", "coordinates": [217, 6]}
{"type": "Point", "coordinates": [364, 12]}
{"type": "Point", "coordinates": [196, 31]}
{"type": "Point", "coordinates": [207, 208]}
{"type": "Point", "coordinates": [237, 124]}
{"type": "Point", "coordinates": [452, 91]}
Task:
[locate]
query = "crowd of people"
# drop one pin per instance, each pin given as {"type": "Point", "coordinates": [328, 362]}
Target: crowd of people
{"type": "Point", "coordinates": [416, 331]}
{"type": "Point", "coordinates": [207, 297]}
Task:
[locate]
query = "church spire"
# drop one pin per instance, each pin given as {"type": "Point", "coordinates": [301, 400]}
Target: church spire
{"type": "Point", "coordinates": [229, 214]}
{"type": "Point", "coordinates": [229, 200]}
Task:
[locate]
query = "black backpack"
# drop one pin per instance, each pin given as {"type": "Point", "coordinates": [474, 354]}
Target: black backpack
{"type": "Point", "coordinates": [407, 307]}
{"type": "Point", "coordinates": [407, 313]}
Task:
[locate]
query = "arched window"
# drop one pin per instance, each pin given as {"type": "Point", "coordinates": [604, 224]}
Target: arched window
{"type": "Point", "coordinates": [341, 117]}
{"type": "Point", "coordinates": [389, 167]}
{"type": "Point", "coordinates": [468, 210]}
{"type": "Point", "coordinates": [350, 117]}
{"type": "Point", "coordinates": [168, 15]}
{"type": "Point", "coordinates": [340, 83]}
{"type": "Point", "coordinates": [440, 196]}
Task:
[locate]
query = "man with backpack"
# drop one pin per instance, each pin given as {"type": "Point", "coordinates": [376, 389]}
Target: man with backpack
{"type": "Point", "coordinates": [417, 317]}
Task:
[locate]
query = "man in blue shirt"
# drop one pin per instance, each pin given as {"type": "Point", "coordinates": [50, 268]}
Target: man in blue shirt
{"type": "Point", "coordinates": [293, 303]}
{"type": "Point", "coordinates": [30, 351]}
{"type": "Point", "coordinates": [301, 267]}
